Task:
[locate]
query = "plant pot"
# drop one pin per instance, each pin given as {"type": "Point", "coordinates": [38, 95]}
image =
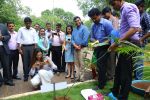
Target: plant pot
{"type": "Point", "coordinates": [140, 86]}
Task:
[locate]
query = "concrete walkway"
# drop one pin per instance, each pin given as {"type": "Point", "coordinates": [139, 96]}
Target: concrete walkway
{"type": "Point", "coordinates": [23, 87]}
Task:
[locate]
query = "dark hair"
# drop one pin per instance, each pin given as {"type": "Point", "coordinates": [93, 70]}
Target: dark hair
{"type": "Point", "coordinates": [139, 2]}
{"type": "Point", "coordinates": [34, 59]}
{"type": "Point", "coordinates": [70, 27]}
{"type": "Point", "coordinates": [58, 24]}
{"type": "Point", "coordinates": [76, 17]}
{"type": "Point", "coordinates": [48, 23]}
{"type": "Point", "coordinates": [36, 24]}
{"type": "Point", "coordinates": [10, 23]}
{"type": "Point", "coordinates": [27, 19]}
{"type": "Point", "coordinates": [106, 10]}
{"type": "Point", "coordinates": [40, 30]}
{"type": "Point", "coordinates": [111, 1]}
{"type": "Point", "coordinates": [94, 11]}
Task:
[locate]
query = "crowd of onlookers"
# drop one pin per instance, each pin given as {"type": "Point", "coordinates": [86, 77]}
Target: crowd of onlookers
{"type": "Point", "coordinates": [45, 51]}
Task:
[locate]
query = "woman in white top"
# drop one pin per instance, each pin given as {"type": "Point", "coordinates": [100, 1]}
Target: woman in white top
{"type": "Point", "coordinates": [42, 68]}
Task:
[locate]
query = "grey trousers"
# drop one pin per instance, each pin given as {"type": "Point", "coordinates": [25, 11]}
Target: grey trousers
{"type": "Point", "coordinates": [26, 58]}
{"type": "Point", "coordinates": [111, 66]}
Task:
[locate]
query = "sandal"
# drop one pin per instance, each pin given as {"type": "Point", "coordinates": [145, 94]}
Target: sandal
{"type": "Point", "coordinates": [72, 77]}
{"type": "Point", "coordinates": [67, 76]}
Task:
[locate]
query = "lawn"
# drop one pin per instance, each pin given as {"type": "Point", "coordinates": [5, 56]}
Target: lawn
{"type": "Point", "coordinates": [75, 91]}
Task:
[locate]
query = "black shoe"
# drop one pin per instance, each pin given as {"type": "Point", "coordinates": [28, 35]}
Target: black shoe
{"type": "Point", "coordinates": [9, 83]}
{"type": "Point", "coordinates": [25, 79]}
{"type": "Point", "coordinates": [16, 77]}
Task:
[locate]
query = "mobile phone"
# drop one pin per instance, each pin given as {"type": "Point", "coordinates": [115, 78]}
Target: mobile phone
{"type": "Point", "coordinates": [55, 33]}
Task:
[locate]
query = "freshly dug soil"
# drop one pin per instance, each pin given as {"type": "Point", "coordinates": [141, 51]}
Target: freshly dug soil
{"type": "Point", "coordinates": [142, 85]}
{"type": "Point", "coordinates": [62, 98]}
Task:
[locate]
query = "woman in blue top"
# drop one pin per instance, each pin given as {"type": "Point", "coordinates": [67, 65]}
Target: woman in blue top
{"type": "Point", "coordinates": [69, 52]}
{"type": "Point", "coordinates": [43, 41]}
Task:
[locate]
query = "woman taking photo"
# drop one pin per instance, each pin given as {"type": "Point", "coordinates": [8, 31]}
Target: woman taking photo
{"type": "Point", "coordinates": [42, 68]}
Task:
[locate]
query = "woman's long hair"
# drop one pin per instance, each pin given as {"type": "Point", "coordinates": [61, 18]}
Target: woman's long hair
{"type": "Point", "coordinates": [34, 56]}
{"type": "Point", "coordinates": [70, 27]}
{"type": "Point", "coordinates": [39, 32]}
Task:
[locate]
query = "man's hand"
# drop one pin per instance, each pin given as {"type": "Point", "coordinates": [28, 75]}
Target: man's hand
{"type": "Point", "coordinates": [141, 41]}
{"type": "Point", "coordinates": [112, 47]}
{"type": "Point", "coordinates": [20, 51]}
{"type": "Point", "coordinates": [1, 38]}
{"type": "Point", "coordinates": [77, 47]}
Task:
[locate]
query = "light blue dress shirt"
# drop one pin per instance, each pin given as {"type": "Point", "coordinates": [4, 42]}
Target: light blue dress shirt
{"type": "Point", "coordinates": [102, 30]}
{"type": "Point", "coordinates": [80, 35]}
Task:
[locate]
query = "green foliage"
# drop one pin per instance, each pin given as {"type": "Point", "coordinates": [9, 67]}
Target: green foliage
{"type": "Point", "coordinates": [67, 17]}
{"type": "Point", "coordinates": [88, 23]}
{"type": "Point", "coordinates": [126, 47]}
{"type": "Point", "coordinates": [11, 10]}
{"type": "Point", "coordinates": [75, 93]}
{"type": "Point", "coordinates": [86, 5]}
{"type": "Point", "coordinates": [52, 19]}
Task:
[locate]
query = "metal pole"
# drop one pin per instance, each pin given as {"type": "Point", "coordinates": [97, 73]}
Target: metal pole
{"type": "Point", "coordinates": [53, 14]}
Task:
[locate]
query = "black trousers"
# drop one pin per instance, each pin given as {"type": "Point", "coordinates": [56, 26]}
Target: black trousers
{"type": "Point", "coordinates": [57, 56]}
{"type": "Point", "coordinates": [63, 63]}
{"type": "Point", "coordinates": [102, 58]}
{"type": "Point", "coordinates": [13, 62]}
{"type": "Point", "coordinates": [49, 50]}
{"type": "Point", "coordinates": [123, 77]}
{"type": "Point", "coordinates": [27, 58]}
{"type": "Point", "coordinates": [4, 59]}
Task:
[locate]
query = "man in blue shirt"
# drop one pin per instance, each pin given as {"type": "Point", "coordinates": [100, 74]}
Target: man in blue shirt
{"type": "Point", "coordinates": [80, 41]}
{"type": "Point", "coordinates": [101, 31]}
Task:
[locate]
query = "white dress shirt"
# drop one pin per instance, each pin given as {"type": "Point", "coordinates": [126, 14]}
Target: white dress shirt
{"type": "Point", "coordinates": [13, 41]}
{"type": "Point", "coordinates": [48, 33]}
{"type": "Point", "coordinates": [27, 36]}
{"type": "Point", "coordinates": [56, 40]}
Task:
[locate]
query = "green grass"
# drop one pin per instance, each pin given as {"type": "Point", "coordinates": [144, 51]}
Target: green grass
{"type": "Point", "coordinates": [75, 92]}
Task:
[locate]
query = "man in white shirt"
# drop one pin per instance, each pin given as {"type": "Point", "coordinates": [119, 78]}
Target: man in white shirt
{"type": "Point", "coordinates": [48, 33]}
{"type": "Point", "coordinates": [14, 53]}
{"type": "Point", "coordinates": [37, 28]}
{"type": "Point", "coordinates": [57, 39]}
{"type": "Point", "coordinates": [27, 42]}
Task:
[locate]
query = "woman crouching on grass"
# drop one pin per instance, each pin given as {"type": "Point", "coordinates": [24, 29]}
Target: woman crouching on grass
{"type": "Point", "coordinates": [42, 69]}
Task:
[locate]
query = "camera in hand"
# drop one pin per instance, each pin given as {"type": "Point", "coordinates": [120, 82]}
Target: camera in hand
{"type": "Point", "coordinates": [68, 39]}
{"type": "Point", "coordinates": [55, 33]}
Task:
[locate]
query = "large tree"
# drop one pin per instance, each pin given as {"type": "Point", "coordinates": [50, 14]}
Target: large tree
{"type": "Point", "coordinates": [86, 5]}
{"type": "Point", "coordinates": [12, 10]}
{"type": "Point", "coordinates": [67, 17]}
{"type": "Point", "coordinates": [52, 19]}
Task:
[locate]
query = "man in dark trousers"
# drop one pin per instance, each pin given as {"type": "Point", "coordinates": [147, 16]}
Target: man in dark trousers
{"type": "Point", "coordinates": [129, 26]}
{"type": "Point", "coordinates": [4, 56]}
{"type": "Point", "coordinates": [27, 42]}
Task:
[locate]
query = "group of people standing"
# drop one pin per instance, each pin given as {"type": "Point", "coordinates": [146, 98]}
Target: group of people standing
{"type": "Point", "coordinates": [36, 46]}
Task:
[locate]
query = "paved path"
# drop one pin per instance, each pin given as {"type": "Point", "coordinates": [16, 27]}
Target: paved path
{"type": "Point", "coordinates": [22, 87]}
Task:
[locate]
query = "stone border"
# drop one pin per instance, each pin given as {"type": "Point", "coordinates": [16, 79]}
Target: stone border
{"type": "Point", "coordinates": [35, 92]}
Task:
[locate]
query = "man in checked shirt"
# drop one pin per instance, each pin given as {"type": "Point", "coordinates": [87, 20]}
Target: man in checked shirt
{"type": "Point", "coordinates": [144, 34]}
